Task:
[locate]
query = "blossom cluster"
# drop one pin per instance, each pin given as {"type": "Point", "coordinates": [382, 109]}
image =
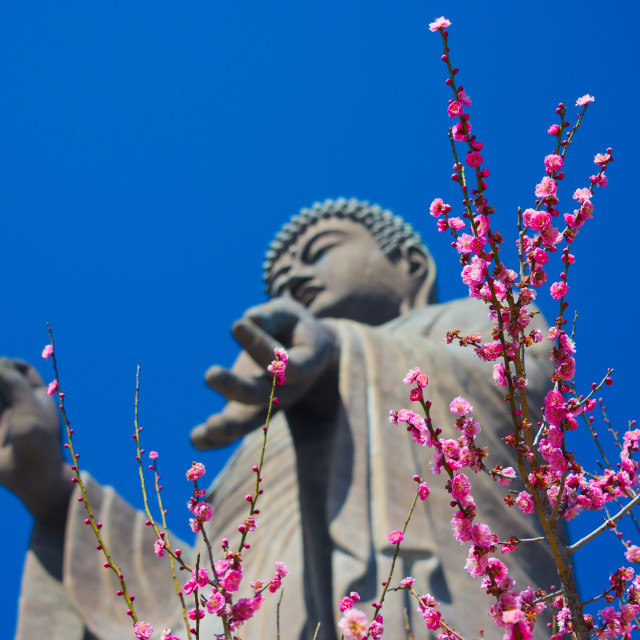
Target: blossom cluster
{"type": "Point", "coordinates": [279, 366]}
{"type": "Point", "coordinates": [354, 623]}
{"type": "Point", "coordinates": [555, 484]}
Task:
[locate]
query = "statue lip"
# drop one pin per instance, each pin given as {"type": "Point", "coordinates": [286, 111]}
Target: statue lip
{"type": "Point", "coordinates": [308, 293]}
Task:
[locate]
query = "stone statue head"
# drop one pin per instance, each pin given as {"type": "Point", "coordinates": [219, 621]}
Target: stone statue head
{"type": "Point", "coordinates": [349, 259]}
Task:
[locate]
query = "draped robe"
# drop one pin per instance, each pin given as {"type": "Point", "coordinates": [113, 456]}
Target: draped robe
{"type": "Point", "coordinates": [366, 491]}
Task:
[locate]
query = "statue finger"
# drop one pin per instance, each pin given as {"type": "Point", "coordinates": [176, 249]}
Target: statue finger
{"type": "Point", "coordinates": [255, 341]}
{"type": "Point", "coordinates": [245, 389]}
{"type": "Point", "coordinates": [277, 317]}
{"type": "Point", "coordinates": [223, 428]}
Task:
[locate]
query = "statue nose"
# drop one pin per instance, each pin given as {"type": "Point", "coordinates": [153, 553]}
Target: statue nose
{"type": "Point", "coordinates": [296, 284]}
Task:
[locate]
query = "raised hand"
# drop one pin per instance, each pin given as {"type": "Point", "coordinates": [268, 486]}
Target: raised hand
{"type": "Point", "coordinates": [31, 463]}
{"type": "Point", "coordinates": [313, 351]}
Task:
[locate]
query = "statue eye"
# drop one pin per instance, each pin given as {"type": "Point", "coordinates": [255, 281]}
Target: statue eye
{"type": "Point", "coordinates": [321, 251]}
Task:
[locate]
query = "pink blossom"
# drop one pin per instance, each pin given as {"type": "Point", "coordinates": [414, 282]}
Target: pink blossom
{"type": "Point", "coordinates": [473, 159]}
{"type": "Point", "coordinates": [559, 290]}
{"type": "Point", "coordinates": [275, 583]}
{"type": "Point", "coordinates": [376, 629]}
{"type": "Point", "coordinates": [455, 109]}
{"type": "Point", "coordinates": [196, 471]}
{"type": "Point", "coordinates": [195, 613]}
{"type": "Point", "coordinates": [396, 536]}
{"type": "Point", "coordinates": [456, 223]}
{"type": "Point", "coordinates": [47, 351]}
{"type": "Point", "coordinates": [281, 355]}
{"type": "Point", "coordinates": [473, 273]}
{"type": "Point", "coordinates": [142, 630]}
{"type": "Point", "coordinates": [540, 256]}
{"type": "Point", "coordinates": [553, 162]}
{"type": "Point", "coordinates": [215, 602]}
{"type": "Point", "coordinates": [431, 618]}
{"type": "Point", "coordinates": [586, 99]}
{"type": "Point", "coordinates": [153, 455]}
{"type": "Point", "coordinates": [547, 187]}
{"type": "Point", "coordinates": [412, 376]}
{"type": "Point", "coordinates": [438, 207]}
{"type": "Point", "coordinates": [439, 24]}
{"type": "Point", "coordinates": [539, 220]}
{"type": "Point", "coordinates": [52, 388]}
{"type": "Point", "coordinates": [202, 577]}
{"type": "Point", "coordinates": [550, 236]}
{"type": "Point", "coordinates": [460, 406]}
{"type": "Point", "coordinates": [281, 569]}
{"type": "Point", "coordinates": [345, 604]}
{"type": "Point", "coordinates": [566, 368]}
{"type": "Point", "coordinates": [354, 623]}
{"type": "Point", "coordinates": [482, 536]}
{"type": "Point", "coordinates": [582, 195]}
{"type": "Point", "coordinates": [601, 158]}
{"type": "Point", "coordinates": [416, 394]}
{"type": "Point", "coordinates": [554, 129]}
{"type": "Point", "coordinates": [464, 98]}
{"type": "Point", "coordinates": [231, 582]}
{"type": "Point", "coordinates": [460, 486]}
{"type": "Point", "coordinates": [423, 491]}
{"type": "Point", "coordinates": [525, 502]}
{"type": "Point", "coordinates": [158, 548]}
{"type": "Point", "coordinates": [476, 563]}
{"type": "Point", "coordinates": [407, 582]}
{"type": "Point", "coordinates": [510, 473]}
{"type": "Point", "coordinates": [245, 608]}
{"type": "Point", "coordinates": [458, 130]}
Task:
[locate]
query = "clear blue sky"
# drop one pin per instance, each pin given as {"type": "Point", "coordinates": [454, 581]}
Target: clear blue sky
{"type": "Point", "coordinates": [150, 150]}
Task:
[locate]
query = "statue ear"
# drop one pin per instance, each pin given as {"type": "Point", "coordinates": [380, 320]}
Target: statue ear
{"type": "Point", "coordinates": [421, 270]}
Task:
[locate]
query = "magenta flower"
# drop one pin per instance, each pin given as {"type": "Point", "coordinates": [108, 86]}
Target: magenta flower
{"type": "Point", "coordinates": [559, 290]}
{"type": "Point", "coordinates": [601, 158]}
{"type": "Point", "coordinates": [464, 98]}
{"type": "Point", "coordinates": [215, 602]}
{"type": "Point", "coordinates": [582, 195]}
{"type": "Point", "coordinates": [196, 471]}
{"type": "Point", "coordinates": [525, 502]}
{"type": "Point", "coordinates": [416, 394]}
{"type": "Point", "coordinates": [553, 162]}
{"type": "Point", "coordinates": [47, 351]}
{"type": "Point", "coordinates": [439, 24]}
{"type": "Point", "coordinates": [585, 99]}
{"type": "Point", "coordinates": [460, 406]}
{"type": "Point", "coordinates": [554, 129]}
{"type": "Point", "coordinates": [407, 582]}
{"type": "Point", "coordinates": [345, 604]}
{"type": "Point", "coordinates": [153, 455]}
{"type": "Point", "coordinates": [52, 388]}
{"type": "Point", "coordinates": [158, 548]}
{"type": "Point", "coordinates": [460, 486]}
{"type": "Point", "coordinates": [438, 207]}
{"type": "Point", "coordinates": [354, 624]}
{"type": "Point", "coordinates": [632, 554]}
{"type": "Point", "coordinates": [231, 582]}
{"type": "Point", "coordinates": [423, 491]}
{"type": "Point", "coordinates": [546, 188]}
{"type": "Point", "coordinates": [473, 159]}
{"type": "Point", "coordinates": [455, 109]}
{"type": "Point", "coordinates": [142, 630]}
{"type": "Point", "coordinates": [396, 536]}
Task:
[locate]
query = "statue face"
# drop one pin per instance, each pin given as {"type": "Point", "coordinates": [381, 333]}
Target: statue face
{"type": "Point", "coordinates": [337, 270]}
